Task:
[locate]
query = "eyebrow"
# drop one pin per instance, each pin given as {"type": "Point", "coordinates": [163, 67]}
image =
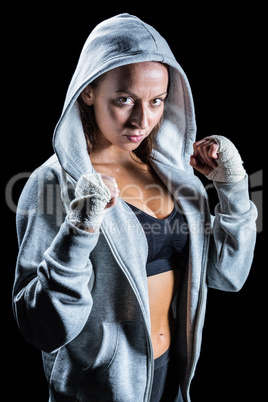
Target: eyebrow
{"type": "Point", "coordinates": [135, 96]}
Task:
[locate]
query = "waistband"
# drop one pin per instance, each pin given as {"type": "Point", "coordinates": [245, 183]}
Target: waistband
{"type": "Point", "coordinates": [162, 360]}
{"type": "Point", "coordinates": [162, 265]}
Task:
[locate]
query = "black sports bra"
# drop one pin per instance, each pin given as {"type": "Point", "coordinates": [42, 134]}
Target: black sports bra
{"type": "Point", "coordinates": [167, 239]}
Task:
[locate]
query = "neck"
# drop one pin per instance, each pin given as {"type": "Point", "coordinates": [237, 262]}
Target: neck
{"type": "Point", "coordinates": [113, 156]}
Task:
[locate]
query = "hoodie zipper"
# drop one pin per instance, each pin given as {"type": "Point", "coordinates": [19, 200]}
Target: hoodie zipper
{"type": "Point", "coordinates": [64, 195]}
{"type": "Point", "coordinates": [123, 268]}
{"type": "Point", "coordinates": [200, 304]}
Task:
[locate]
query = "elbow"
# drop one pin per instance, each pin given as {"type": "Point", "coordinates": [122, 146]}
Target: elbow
{"type": "Point", "coordinates": [236, 286]}
{"type": "Point", "coordinates": [226, 284]}
{"type": "Point", "coordinates": [48, 330]}
{"type": "Point", "coordinates": [229, 277]}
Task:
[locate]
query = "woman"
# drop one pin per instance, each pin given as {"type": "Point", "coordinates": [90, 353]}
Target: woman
{"type": "Point", "coordinates": [117, 244]}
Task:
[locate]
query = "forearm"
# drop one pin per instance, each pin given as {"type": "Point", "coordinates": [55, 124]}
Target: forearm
{"type": "Point", "coordinates": [53, 307]}
{"type": "Point", "coordinates": [233, 237]}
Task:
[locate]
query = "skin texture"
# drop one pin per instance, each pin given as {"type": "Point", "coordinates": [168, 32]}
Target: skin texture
{"type": "Point", "coordinates": [128, 103]}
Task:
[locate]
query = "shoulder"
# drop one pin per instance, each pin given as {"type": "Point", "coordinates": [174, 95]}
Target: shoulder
{"type": "Point", "coordinates": [43, 186]}
{"type": "Point", "coordinates": [50, 172]}
{"type": "Point", "coordinates": [40, 204]}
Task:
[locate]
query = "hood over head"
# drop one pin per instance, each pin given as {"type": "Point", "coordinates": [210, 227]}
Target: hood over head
{"type": "Point", "coordinates": [120, 40]}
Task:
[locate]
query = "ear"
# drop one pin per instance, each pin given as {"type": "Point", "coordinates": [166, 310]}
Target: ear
{"type": "Point", "coordinates": [87, 95]}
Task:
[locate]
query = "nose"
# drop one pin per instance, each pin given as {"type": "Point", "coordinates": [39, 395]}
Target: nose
{"type": "Point", "coordinates": [139, 117]}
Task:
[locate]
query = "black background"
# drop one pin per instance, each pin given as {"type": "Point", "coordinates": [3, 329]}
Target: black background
{"type": "Point", "coordinates": [221, 49]}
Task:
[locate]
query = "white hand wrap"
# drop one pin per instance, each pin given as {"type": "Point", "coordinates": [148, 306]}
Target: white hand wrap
{"type": "Point", "coordinates": [92, 196]}
{"type": "Point", "coordinates": [230, 165]}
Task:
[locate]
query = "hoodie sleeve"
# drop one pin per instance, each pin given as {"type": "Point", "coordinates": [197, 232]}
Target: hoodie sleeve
{"type": "Point", "coordinates": [54, 275]}
{"type": "Point", "coordinates": [234, 236]}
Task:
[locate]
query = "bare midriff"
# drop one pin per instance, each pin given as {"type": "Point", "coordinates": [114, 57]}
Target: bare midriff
{"type": "Point", "coordinates": [162, 288]}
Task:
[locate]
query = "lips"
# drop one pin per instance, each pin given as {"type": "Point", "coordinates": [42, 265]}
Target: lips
{"type": "Point", "coordinates": [134, 138]}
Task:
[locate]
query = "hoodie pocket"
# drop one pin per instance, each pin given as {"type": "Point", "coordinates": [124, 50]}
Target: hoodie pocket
{"type": "Point", "coordinates": [120, 370]}
{"type": "Point", "coordinates": [65, 377]}
{"type": "Point", "coordinates": [107, 352]}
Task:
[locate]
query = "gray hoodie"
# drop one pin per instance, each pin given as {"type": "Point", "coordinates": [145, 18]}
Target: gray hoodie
{"type": "Point", "coordinates": [82, 297]}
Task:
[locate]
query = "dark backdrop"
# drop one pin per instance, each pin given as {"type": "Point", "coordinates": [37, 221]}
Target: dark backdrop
{"type": "Point", "coordinates": [221, 50]}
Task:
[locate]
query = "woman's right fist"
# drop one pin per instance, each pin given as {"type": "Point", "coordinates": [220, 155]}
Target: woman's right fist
{"type": "Point", "coordinates": [92, 196]}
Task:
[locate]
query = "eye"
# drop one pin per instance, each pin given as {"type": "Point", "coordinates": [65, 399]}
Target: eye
{"type": "Point", "coordinates": [126, 100]}
{"type": "Point", "coordinates": [157, 101]}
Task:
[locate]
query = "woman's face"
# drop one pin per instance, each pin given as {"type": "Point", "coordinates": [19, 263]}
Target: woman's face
{"type": "Point", "coordinates": [128, 103]}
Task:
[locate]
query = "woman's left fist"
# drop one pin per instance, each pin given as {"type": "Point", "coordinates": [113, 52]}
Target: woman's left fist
{"type": "Point", "coordinates": [205, 156]}
{"type": "Point", "coordinates": [218, 159]}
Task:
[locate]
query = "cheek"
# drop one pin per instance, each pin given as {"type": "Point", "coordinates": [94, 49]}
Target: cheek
{"type": "Point", "coordinates": [109, 117]}
{"type": "Point", "coordinates": [156, 118]}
